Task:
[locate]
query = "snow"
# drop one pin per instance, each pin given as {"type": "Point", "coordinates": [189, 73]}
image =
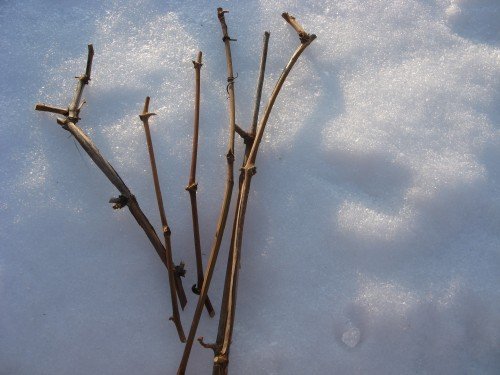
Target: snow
{"type": "Point", "coordinates": [372, 242]}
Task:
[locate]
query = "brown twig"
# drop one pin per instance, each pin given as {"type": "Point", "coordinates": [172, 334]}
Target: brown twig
{"type": "Point", "coordinates": [221, 224]}
{"type": "Point", "coordinates": [248, 147]}
{"type": "Point", "coordinates": [303, 36]}
{"type": "Point", "coordinates": [47, 108]}
{"type": "Point", "coordinates": [192, 187]}
{"type": "Point", "coordinates": [221, 359]}
{"type": "Point", "coordinates": [247, 137]}
{"type": "Point", "coordinates": [258, 95]}
{"type": "Point", "coordinates": [126, 198]}
{"type": "Point", "coordinates": [144, 116]}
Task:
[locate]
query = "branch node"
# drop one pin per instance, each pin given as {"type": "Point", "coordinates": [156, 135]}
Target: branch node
{"type": "Point", "coordinates": [247, 137]}
{"type": "Point", "coordinates": [146, 116]}
{"type": "Point", "coordinates": [119, 202]}
{"type": "Point", "coordinates": [226, 37]}
{"type": "Point", "coordinates": [230, 156]}
{"type": "Point", "coordinates": [192, 187]}
{"type": "Point", "coordinates": [179, 270]}
{"type": "Point", "coordinates": [212, 346]}
{"type": "Point", "coordinates": [251, 170]}
{"type": "Point", "coordinates": [63, 122]}
{"type": "Point", "coordinates": [195, 289]}
{"type": "Point", "coordinates": [166, 230]}
{"type": "Point", "coordinates": [230, 81]}
{"type": "Point", "coordinates": [221, 359]}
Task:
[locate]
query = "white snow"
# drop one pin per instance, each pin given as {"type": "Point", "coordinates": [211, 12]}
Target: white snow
{"type": "Point", "coordinates": [372, 239]}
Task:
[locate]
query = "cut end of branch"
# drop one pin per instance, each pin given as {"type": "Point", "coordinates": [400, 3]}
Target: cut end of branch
{"type": "Point", "coordinates": [220, 12]}
{"type": "Point", "coordinates": [303, 35]}
{"type": "Point", "coordinates": [146, 105]}
{"type": "Point", "coordinates": [220, 15]}
{"type": "Point", "coordinates": [90, 57]}
{"type": "Point", "coordinates": [197, 64]}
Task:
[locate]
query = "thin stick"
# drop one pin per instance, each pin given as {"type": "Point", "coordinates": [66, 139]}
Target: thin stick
{"type": "Point", "coordinates": [258, 94]}
{"type": "Point", "coordinates": [221, 358]}
{"type": "Point", "coordinates": [192, 187]}
{"type": "Point", "coordinates": [225, 203]}
{"type": "Point", "coordinates": [47, 108]}
{"type": "Point", "coordinates": [126, 197]}
{"type": "Point", "coordinates": [248, 147]}
{"type": "Point", "coordinates": [144, 116]}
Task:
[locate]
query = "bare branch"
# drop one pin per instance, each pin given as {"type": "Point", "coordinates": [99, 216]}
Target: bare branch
{"type": "Point", "coordinates": [258, 95]}
{"type": "Point", "coordinates": [303, 36]}
{"type": "Point", "coordinates": [248, 147]}
{"type": "Point", "coordinates": [221, 360]}
{"type": "Point", "coordinates": [221, 224]}
{"type": "Point", "coordinates": [192, 186]}
{"type": "Point", "coordinates": [144, 116]}
{"type": "Point", "coordinates": [126, 197]}
{"type": "Point", "coordinates": [47, 108]}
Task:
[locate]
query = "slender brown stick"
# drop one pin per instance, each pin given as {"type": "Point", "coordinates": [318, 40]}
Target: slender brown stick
{"type": "Point", "coordinates": [258, 95]}
{"type": "Point", "coordinates": [221, 358]}
{"type": "Point", "coordinates": [144, 116]}
{"type": "Point", "coordinates": [221, 224]}
{"type": "Point", "coordinates": [48, 108]}
{"type": "Point", "coordinates": [192, 187]}
{"type": "Point", "coordinates": [248, 147]}
{"type": "Point", "coordinates": [126, 197]}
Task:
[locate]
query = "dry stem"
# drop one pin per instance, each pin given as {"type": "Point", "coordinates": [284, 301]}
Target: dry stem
{"type": "Point", "coordinates": [144, 116]}
{"type": "Point", "coordinates": [126, 198]}
{"type": "Point", "coordinates": [248, 147]}
{"type": "Point", "coordinates": [192, 186]}
{"type": "Point", "coordinates": [221, 359]}
{"type": "Point", "coordinates": [225, 203]}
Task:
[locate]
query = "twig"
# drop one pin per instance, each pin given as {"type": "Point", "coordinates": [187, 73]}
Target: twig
{"type": "Point", "coordinates": [221, 224]}
{"type": "Point", "coordinates": [126, 197]}
{"type": "Point", "coordinates": [144, 116]}
{"type": "Point", "coordinates": [258, 95]}
{"type": "Point", "coordinates": [248, 147]}
{"type": "Point", "coordinates": [48, 108]}
{"type": "Point", "coordinates": [192, 186]}
{"type": "Point", "coordinates": [247, 137]}
{"type": "Point", "coordinates": [221, 360]}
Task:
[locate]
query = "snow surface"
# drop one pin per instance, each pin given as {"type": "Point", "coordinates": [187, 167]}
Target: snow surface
{"type": "Point", "coordinates": [372, 242]}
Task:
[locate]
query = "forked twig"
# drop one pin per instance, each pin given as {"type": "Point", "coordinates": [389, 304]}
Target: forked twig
{"type": "Point", "coordinates": [192, 186]}
{"type": "Point", "coordinates": [248, 147]}
{"type": "Point", "coordinates": [221, 359]}
{"type": "Point", "coordinates": [221, 224]}
{"type": "Point", "coordinates": [174, 287]}
{"type": "Point", "coordinates": [126, 197]}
